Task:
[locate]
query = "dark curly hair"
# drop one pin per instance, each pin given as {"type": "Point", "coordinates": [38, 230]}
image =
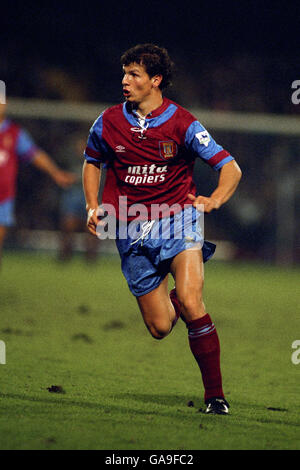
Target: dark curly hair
{"type": "Point", "coordinates": [155, 59]}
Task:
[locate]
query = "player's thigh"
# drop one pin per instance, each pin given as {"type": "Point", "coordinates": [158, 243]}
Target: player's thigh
{"type": "Point", "coordinates": [188, 271]}
{"type": "Point", "coordinates": [157, 310]}
{"type": "Point", "coordinates": [3, 231]}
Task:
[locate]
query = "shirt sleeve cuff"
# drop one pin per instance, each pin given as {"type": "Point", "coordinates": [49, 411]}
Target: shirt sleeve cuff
{"type": "Point", "coordinates": [92, 156]}
{"type": "Point", "coordinates": [220, 159]}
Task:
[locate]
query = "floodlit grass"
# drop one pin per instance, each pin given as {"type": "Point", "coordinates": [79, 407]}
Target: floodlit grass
{"type": "Point", "coordinates": [77, 326]}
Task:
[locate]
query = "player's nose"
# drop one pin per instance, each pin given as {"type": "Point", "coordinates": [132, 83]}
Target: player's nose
{"type": "Point", "coordinates": [125, 79]}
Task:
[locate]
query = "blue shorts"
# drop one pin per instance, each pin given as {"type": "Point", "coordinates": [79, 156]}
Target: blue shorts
{"type": "Point", "coordinates": [146, 260]}
{"type": "Point", "coordinates": [7, 215]}
{"type": "Point", "coordinates": [72, 203]}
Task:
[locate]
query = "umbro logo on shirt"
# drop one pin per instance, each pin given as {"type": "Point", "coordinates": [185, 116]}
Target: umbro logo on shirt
{"type": "Point", "coordinates": [120, 148]}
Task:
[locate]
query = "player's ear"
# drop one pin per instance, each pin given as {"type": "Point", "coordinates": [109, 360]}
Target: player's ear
{"type": "Point", "coordinates": [156, 80]}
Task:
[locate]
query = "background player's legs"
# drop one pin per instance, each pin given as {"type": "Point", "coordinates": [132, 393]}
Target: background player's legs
{"type": "Point", "coordinates": [6, 220]}
{"type": "Point", "coordinates": [157, 310]}
{"type": "Point", "coordinates": [68, 226]}
{"type": "Point", "coordinates": [91, 244]}
{"type": "Point", "coordinates": [3, 231]}
{"type": "Point", "coordinates": [187, 269]}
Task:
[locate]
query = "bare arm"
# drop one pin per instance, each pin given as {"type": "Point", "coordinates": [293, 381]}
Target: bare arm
{"type": "Point", "coordinates": [44, 163]}
{"type": "Point", "coordinates": [91, 175]}
{"type": "Point", "coordinates": [230, 175]}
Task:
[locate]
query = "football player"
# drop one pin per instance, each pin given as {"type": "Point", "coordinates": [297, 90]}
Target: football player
{"type": "Point", "coordinates": [16, 145]}
{"type": "Point", "coordinates": [149, 145]}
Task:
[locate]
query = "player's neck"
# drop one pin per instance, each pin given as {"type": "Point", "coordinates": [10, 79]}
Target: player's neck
{"type": "Point", "coordinates": [149, 105]}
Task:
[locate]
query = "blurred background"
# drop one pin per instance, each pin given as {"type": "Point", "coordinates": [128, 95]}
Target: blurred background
{"type": "Point", "coordinates": [235, 65]}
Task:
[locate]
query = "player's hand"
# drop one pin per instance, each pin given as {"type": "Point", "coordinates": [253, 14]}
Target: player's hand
{"type": "Point", "coordinates": [93, 219]}
{"type": "Point", "coordinates": [209, 203]}
{"type": "Point", "coordinates": [64, 179]}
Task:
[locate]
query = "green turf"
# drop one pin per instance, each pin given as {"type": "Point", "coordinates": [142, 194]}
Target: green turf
{"type": "Point", "coordinates": [78, 326]}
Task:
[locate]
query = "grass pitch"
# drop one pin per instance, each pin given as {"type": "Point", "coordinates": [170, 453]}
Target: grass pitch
{"type": "Point", "coordinates": [77, 326]}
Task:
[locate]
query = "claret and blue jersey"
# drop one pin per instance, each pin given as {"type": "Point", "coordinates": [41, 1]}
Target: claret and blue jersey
{"type": "Point", "coordinates": [151, 160]}
{"type": "Point", "coordinates": [16, 146]}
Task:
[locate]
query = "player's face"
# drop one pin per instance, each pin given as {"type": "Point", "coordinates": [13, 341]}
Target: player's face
{"type": "Point", "coordinates": [137, 85]}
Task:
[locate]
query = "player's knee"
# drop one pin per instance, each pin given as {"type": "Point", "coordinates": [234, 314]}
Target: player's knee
{"type": "Point", "coordinates": [159, 330]}
{"type": "Point", "coordinates": [191, 300]}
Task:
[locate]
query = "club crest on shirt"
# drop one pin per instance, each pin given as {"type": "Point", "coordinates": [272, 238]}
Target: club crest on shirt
{"type": "Point", "coordinates": [168, 149]}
